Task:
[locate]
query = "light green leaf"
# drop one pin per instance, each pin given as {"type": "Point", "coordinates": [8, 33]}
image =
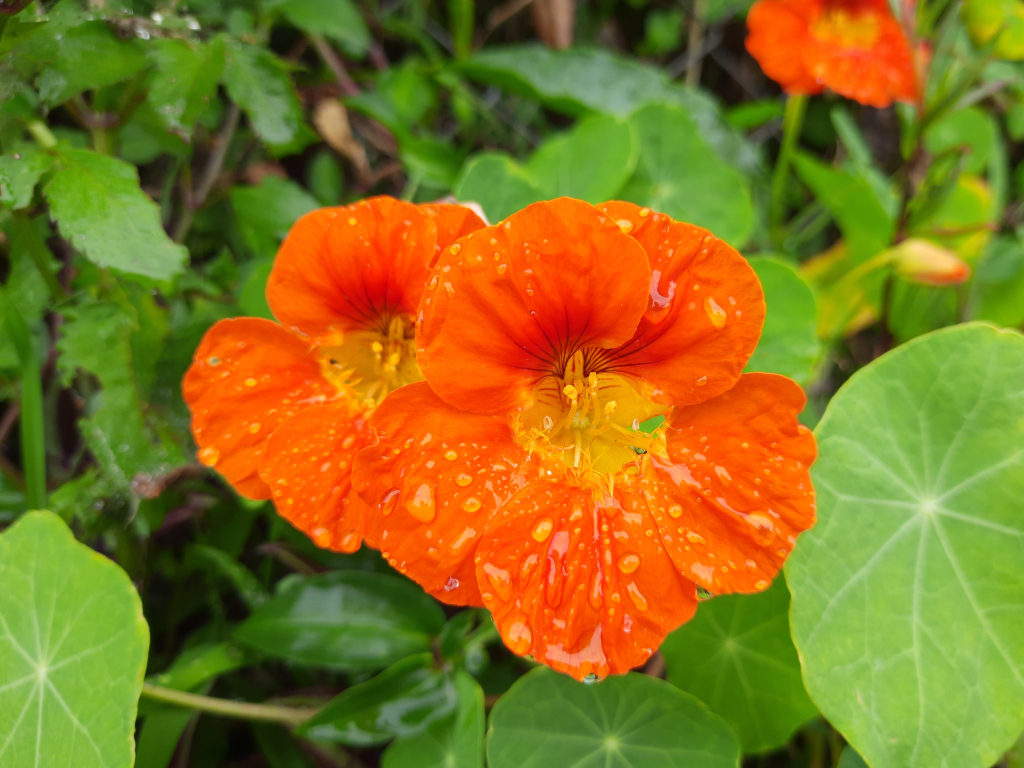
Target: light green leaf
{"type": "Point", "coordinates": [339, 20]}
{"type": "Point", "coordinates": [73, 647]}
{"type": "Point", "coordinates": [260, 84]}
{"type": "Point", "coordinates": [457, 742]}
{"type": "Point", "coordinates": [866, 227]}
{"type": "Point", "coordinates": [789, 340]}
{"type": "Point", "coordinates": [580, 80]}
{"type": "Point", "coordinates": [997, 292]}
{"type": "Point", "coordinates": [736, 656]}
{"type": "Point", "coordinates": [591, 162]}
{"type": "Point", "coordinates": [184, 79]}
{"type": "Point", "coordinates": [498, 183]}
{"type": "Point", "coordinates": [970, 130]}
{"type": "Point", "coordinates": [20, 170]}
{"type": "Point", "coordinates": [629, 721]}
{"type": "Point", "coordinates": [103, 213]}
{"type": "Point", "coordinates": [908, 595]}
{"type": "Point", "coordinates": [266, 212]}
{"type": "Point", "coordinates": [88, 56]}
{"type": "Point", "coordinates": [345, 619]}
{"type": "Point", "coordinates": [680, 175]}
{"type": "Point", "coordinates": [430, 162]}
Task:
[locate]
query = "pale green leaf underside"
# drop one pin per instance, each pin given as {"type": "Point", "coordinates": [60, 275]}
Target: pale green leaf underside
{"type": "Point", "coordinates": [908, 595]}
{"type": "Point", "coordinates": [625, 721]}
{"type": "Point", "coordinates": [73, 646]}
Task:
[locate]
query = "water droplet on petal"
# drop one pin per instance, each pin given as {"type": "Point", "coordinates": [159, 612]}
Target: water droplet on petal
{"type": "Point", "coordinates": [715, 313]}
{"type": "Point", "coordinates": [763, 529]}
{"type": "Point", "coordinates": [636, 596]}
{"type": "Point", "coordinates": [519, 637]}
{"type": "Point", "coordinates": [464, 479]}
{"type": "Point", "coordinates": [451, 584]}
{"type": "Point", "coordinates": [675, 510]}
{"type": "Point", "coordinates": [629, 563]}
{"type": "Point", "coordinates": [760, 584]}
{"type": "Point", "coordinates": [255, 427]}
{"type": "Point", "coordinates": [250, 382]}
{"type": "Point", "coordinates": [421, 506]}
{"type": "Point", "coordinates": [451, 455]}
{"type": "Point", "coordinates": [542, 529]}
{"type": "Point", "coordinates": [209, 455]}
{"type": "Point", "coordinates": [471, 504]}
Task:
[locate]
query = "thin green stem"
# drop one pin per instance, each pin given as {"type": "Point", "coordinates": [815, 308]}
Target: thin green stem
{"type": "Point", "coordinates": [33, 442]}
{"type": "Point", "coordinates": [243, 711]}
{"type": "Point", "coordinates": [41, 133]}
{"type": "Point", "coordinates": [37, 250]}
{"type": "Point", "coordinates": [792, 123]}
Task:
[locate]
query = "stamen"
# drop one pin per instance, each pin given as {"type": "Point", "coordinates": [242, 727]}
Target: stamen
{"type": "Point", "coordinates": [570, 392]}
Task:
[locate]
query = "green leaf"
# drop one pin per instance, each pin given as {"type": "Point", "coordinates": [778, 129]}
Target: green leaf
{"type": "Point", "coordinates": [997, 292]}
{"type": "Point", "coordinates": [72, 651]}
{"type": "Point", "coordinates": [345, 619]}
{"type": "Point", "coordinates": [280, 747]}
{"type": "Point", "coordinates": [457, 742]}
{"type": "Point", "coordinates": [159, 735]}
{"type": "Point", "coordinates": [339, 20]}
{"type": "Point", "coordinates": [201, 664]}
{"type": "Point", "coordinates": [25, 285]}
{"type": "Point", "coordinates": [789, 340]}
{"type": "Point", "coordinates": [129, 442]}
{"type": "Point", "coordinates": [970, 130]}
{"type": "Point", "coordinates": [223, 565]}
{"type": "Point", "coordinates": [866, 227]}
{"type": "Point", "coordinates": [736, 656]}
{"type": "Point", "coordinates": [403, 700]}
{"type": "Point", "coordinates": [850, 759]}
{"type": "Point", "coordinates": [908, 595]}
{"type": "Point", "coordinates": [20, 170]}
{"type": "Point", "coordinates": [266, 212]}
{"type": "Point", "coordinates": [88, 56]}
{"type": "Point", "coordinates": [184, 80]}
{"type": "Point", "coordinates": [259, 83]}
{"type": "Point", "coordinates": [103, 213]}
{"type": "Point", "coordinates": [591, 162]}
{"type": "Point", "coordinates": [498, 183]}
{"type": "Point", "coordinates": [680, 175]}
{"type": "Point", "coordinates": [628, 721]}
{"type": "Point", "coordinates": [580, 80]}
{"type": "Point", "coordinates": [430, 162]}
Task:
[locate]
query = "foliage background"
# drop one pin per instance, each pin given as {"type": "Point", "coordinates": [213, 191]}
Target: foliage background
{"type": "Point", "coordinates": [154, 154]}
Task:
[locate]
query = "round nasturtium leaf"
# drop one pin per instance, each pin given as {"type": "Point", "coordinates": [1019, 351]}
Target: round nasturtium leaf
{"type": "Point", "coordinates": [789, 340]}
{"type": "Point", "coordinates": [737, 657]}
{"type": "Point", "coordinates": [73, 647]}
{"type": "Point", "coordinates": [629, 721]}
{"type": "Point", "coordinates": [908, 594]}
{"type": "Point", "coordinates": [987, 18]}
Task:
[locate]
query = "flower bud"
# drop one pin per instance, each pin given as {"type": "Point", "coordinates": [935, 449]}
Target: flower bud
{"type": "Point", "coordinates": [924, 262]}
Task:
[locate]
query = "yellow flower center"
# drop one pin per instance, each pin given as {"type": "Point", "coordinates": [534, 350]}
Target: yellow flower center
{"type": "Point", "coordinates": [837, 26]}
{"type": "Point", "coordinates": [372, 363]}
{"type": "Point", "coordinates": [589, 420]}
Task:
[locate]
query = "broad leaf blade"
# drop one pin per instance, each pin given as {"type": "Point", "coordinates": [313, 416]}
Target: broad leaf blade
{"type": "Point", "coordinates": [498, 183]}
{"type": "Point", "coordinates": [73, 646]}
{"type": "Point", "coordinates": [908, 595]}
{"type": "Point", "coordinates": [259, 83]}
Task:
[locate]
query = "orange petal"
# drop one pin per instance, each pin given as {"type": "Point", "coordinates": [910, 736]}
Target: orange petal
{"type": "Point", "coordinates": [351, 268]}
{"type": "Point", "coordinates": [778, 36]}
{"type": "Point", "coordinates": [248, 376]}
{"type": "Point", "coordinates": [434, 479]}
{"type": "Point", "coordinates": [582, 587]}
{"type": "Point", "coordinates": [735, 489]}
{"type": "Point", "coordinates": [452, 221]}
{"type": "Point", "coordinates": [704, 315]}
{"type": "Point", "coordinates": [512, 303]}
{"type": "Point", "coordinates": [308, 467]}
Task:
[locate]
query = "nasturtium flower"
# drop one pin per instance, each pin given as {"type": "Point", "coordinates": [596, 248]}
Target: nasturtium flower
{"type": "Point", "coordinates": [854, 47]}
{"type": "Point", "coordinates": [280, 410]}
{"type": "Point", "coordinates": [527, 474]}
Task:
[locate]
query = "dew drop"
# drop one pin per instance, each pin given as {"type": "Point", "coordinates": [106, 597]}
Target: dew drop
{"type": "Point", "coordinates": [502, 268]}
{"type": "Point", "coordinates": [675, 510]}
{"type": "Point", "coordinates": [625, 225]}
{"type": "Point", "coordinates": [214, 361]}
{"type": "Point", "coordinates": [451, 455]}
{"type": "Point", "coordinates": [464, 479]}
{"type": "Point", "coordinates": [471, 504]}
{"type": "Point", "coordinates": [760, 584]}
{"type": "Point", "coordinates": [645, 212]}
{"type": "Point", "coordinates": [763, 530]}
{"type": "Point", "coordinates": [636, 596]}
{"type": "Point", "coordinates": [702, 381]}
{"type": "Point", "coordinates": [255, 427]}
{"type": "Point", "coordinates": [455, 248]}
{"type": "Point", "coordinates": [629, 563]}
{"type": "Point", "coordinates": [519, 637]}
{"type": "Point", "coordinates": [250, 382]}
{"type": "Point", "coordinates": [715, 313]}
{"type": "Point", "coordinates": [421, 506]}
{"type": "Point", "coordinates": [542, 529]}
{"type": "Point", "coordinates": [352, 221]}
{"type": "Point", "coordinates": [451, 584]}
{"type": "Point", "coordinates": [348, 442]}
{"type": "Point", "coordinates": [695, 538]}
{"type": "Point", "coordinates": [209, 455]}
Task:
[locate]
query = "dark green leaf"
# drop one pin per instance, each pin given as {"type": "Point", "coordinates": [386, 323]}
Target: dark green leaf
{"type": "Point", "coordinates": [455, 742]}
{"type": "Point", "coordinates": [25, 285]}
{"type": "Point", "coordinates": [339, 20]}
{"type": "Point", "coordinates": [347, 619]}
{"type": "Point", "coordinates": [736, 656]}
{"type": "Point", "coordinates": [259, 83]}
{"type": "Point", "coordinates": [680, 175]}
{"type": "Point", "coordinates": [789, 340]}
{"type": "Point", "coordinates": [908, 595]}
{"type": "Point", "coordinates": [403, 700]}
{"type": "Point", "coordinates": [159, 736]}
{"type": "Point", "coordinates": [998, 288]}
{"type": "Point", "coordinates": [280, 747]}
{"type": "Point", "coordinates": [628, 721]}
{"type": "Point", "coordinates": [244, 581]}
{"type": "Point", "coordinates": [20, 170]}
{"type": "Point", "coordinates": [498, 183]}
{"type": "Point", "coordinates": [184, 79]}
{"type": "Point", "coordinates": [73, 644]}
{"type": "Point", "coordinates": [267, 211]}
{"type": "Point", "coordinates": [101, 211]}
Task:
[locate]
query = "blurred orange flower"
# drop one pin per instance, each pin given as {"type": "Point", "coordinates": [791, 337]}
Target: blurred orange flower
{"type": "Point", "coordinates": [522, 475]}
{"type": "Point", "coordinates": [280, 410]}
{"type": "Point", "coordinates": [855, 47]}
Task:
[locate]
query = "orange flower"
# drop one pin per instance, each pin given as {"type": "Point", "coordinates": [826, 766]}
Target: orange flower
{"type": "Point", "coordinates": [521, 475]}
{"type": "Point", "coordinates": [281, 410]}
{"type": "Point", "coordinates": [854, 47]}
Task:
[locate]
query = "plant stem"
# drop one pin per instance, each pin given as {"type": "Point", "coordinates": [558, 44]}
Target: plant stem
{"type": "Point", "coordinates": [214, 164]}
{"type": "Point", "coordinates": [42, 134]}
{"type": "Point", "coordinates": [33, 444]}
{"type": "Point", "coordinates": [275, 714]}
{"type": "Point", "coordinates": [695, 44]}
{"type": "Point", "coordinates": [792, 122]}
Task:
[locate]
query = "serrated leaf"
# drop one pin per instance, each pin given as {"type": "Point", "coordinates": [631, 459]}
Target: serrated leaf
{"type": "Point", "coordinates": [184, 79]}
{"type": "Point", "coordinates": [339, 20]}
{"type": "Point", "coordinates": [736, 656]}
{"type": "Point", "coordinates": [625, 721]}
{"type": "Point", "coordinates": [908, 594]}
{"type": "Point", "coordinates": [260, 84]}
{"type": "Point", "coordinates": [677, 173]}
{"type": "Point", "coordinates": [73, 647]}
{"type": "Point", "coordinates": [20, 170]}
{"type": "Point", "coordinates": [97, 202]}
